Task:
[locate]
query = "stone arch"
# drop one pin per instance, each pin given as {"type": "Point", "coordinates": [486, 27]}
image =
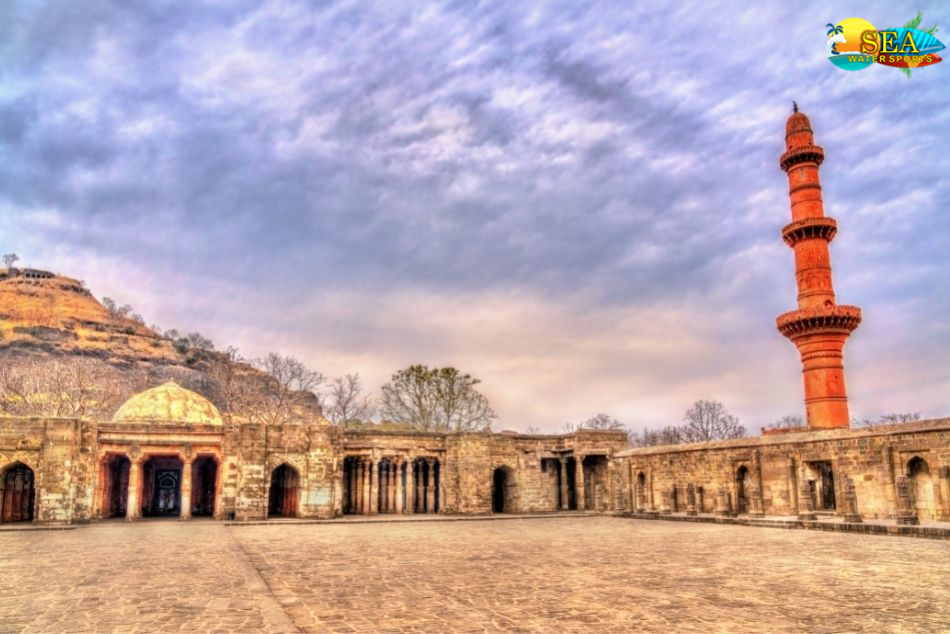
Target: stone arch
{"type": "Point", "coordinates": [640, 490]}
{"type": "Point", "coordinates": [919, 473]}
{"type": "Point", "coordinates": [742, 482]}
{"type": "Point", "coordinates": [284, 491]}
{"type": "Point", "coordinates": [114, 475]}
{"type": "Point", "coordinates": [17, 493]}
{"type": "Point", "coordinates": [504, 490]}
{"type": "Point", "coordinates": [205, 479]}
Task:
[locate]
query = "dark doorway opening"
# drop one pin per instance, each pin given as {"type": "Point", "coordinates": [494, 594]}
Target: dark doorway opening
{"type": "Point", "coordinates": [18, 494]}
{"type": "Point", "coordinates": [500, 485]}
{"type": "Point", "coordinates": [284, 490]}
{"type": "Point", "coordinates": [204, 477]}
{"type": "Point", "coordinates": [117, 486]}
{"type": "Point", "coordinates": [161, 486]}
{"type": "Point", "coordinates": [742, 504]}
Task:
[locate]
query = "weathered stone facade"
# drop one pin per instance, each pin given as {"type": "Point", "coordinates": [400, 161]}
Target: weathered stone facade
{"type": "Point", "coordinates": [169, 452]}
{"type": "Point", "coordinates": [801, 473]}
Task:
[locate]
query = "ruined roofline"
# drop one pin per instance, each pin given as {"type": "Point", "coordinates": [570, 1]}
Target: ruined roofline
{"type": "Point", "coordinates": [504, 434]}
{"type": "Point", "coordinates": [805, 436]}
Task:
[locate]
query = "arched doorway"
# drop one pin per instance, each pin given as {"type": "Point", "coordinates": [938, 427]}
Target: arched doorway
{"type": "Point", "coordinates": [502, 491]}
{"type": "Point", "coordinates": [17, 493]}
{"type": "Point", "coordinates": [204, 478]}
{"type": "Point", "coordinates": [116, 490]}
{"type": "Point", "coordinates": [742, 504]}
{"type": "Point", "coordinates": [161, 486]}
{"type": "Point", "coordinates": [919, 472]}
{"type": "Point", "coordinates": [284, 490]}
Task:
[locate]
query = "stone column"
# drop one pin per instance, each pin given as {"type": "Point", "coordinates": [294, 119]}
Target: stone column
{"type": "Point", "coordinates": [441, 502]}
{"type": "Point", "coordinates": [943, 511]}
{"type": "Point", "coordinates": [906, 509]}
{"type": "Point", "coordinates": [690, 499]}
{"type": "Point", "coordinates": [792, 488]}
{"type": "Point", "coordinates": [611, 501]}
{"type": "Point", "coordinates": [383, 497]}
{"type": "Point", "coordinates": [430, 485]}
{"type": "Point", "coordinates": [133, 508]}
{"type": "Point", "coordinates": [565, 502]}
{"type": "Point", "coordinates": [420, 487]}
{"type": "Point", "coordinates": [723, 502]}
{"type": "Point", "coordinates": [392, 479]}
{"type": "Point", "coordinates": [373, 486]}
{"type": "Point", "coordinates": [757, 499]}
{"type": "Point", "coordinates": [666, 500]}
{"type": "Point", "coordinates": [217, 512]}
{"type": "Point", "coordinates": [651, 499]}
{"type": "Point", "coordinates": [364, 478]}
{"type": "Point", "coordinates": [890, 488]}
{"type": "Point", "coordinates": [806, 505]}
{"type": "Point", "coordinates": [579, 482]}
{"type": "Point", "coordinates": [850, 501]}
{"type": "Point", "coordinates": [410, 486]}
{"type": "Point", "coordinates": [399, 490]}
{"type": "Point", "coordinates": [185, 512]}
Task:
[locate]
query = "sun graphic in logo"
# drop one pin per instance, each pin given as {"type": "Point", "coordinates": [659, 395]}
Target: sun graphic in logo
{"type": "Point", "coordinates": [844, 44]}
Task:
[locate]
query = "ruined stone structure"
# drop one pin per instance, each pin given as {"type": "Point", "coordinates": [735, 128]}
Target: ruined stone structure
{"type": "Point", "coordinates": [820, 327]}
{"type": "Point", "coordinates": [169, 452]}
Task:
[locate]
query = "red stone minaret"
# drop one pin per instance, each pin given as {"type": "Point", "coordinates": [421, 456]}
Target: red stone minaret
{"type": "Point", "coordinates": [820, 327]}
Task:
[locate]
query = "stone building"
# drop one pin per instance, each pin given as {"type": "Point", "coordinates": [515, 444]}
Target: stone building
{"type": "Point", "coordinates": [169, 452]}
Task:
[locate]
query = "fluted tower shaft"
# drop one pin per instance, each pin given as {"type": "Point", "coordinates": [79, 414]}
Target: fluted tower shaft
{"type": "Point", "coordinates": [820, 327]}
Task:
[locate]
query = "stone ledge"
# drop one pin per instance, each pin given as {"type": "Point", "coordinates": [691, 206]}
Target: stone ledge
{"type": "Point", "coordinates": [927, 532]}
{"type": "Point", "coordinates": [360, 519]}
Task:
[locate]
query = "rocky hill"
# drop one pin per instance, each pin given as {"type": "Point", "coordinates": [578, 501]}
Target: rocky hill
{"type": "Point", "coordinates": [64, 353]}
{"type": "Point", "coordinates": [41, 312]}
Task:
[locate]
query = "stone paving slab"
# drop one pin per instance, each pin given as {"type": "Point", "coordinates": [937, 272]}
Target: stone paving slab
{"type": "Point", "coordinates": [572, 574]}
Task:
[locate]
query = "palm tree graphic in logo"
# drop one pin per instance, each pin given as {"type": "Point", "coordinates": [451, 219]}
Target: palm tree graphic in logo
{"type": "Point", "coordinates": [835, 36]}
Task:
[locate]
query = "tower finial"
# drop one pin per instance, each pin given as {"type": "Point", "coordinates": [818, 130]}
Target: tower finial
{"type": "Point", "coordinates": [794, 106]}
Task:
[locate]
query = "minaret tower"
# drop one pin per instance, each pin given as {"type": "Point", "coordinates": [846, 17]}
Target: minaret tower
{"type": "Point", "coordinates": [820, 327]}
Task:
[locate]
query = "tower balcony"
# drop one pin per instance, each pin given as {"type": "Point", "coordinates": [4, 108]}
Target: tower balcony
{"type": "Point", "coordinates": [816, 227]}
{"type": "Point", "coordinates": [803, 154]}
{"type": "Point", "coordinates": [834, 319]}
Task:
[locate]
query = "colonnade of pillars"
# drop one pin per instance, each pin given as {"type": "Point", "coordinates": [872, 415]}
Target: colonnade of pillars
{"type": "Point", "coordinates": [579, 494]}
{"type": "Point", "coordinates": [208, 496]}
{"type": "Point", "coordinates": [392, 485]}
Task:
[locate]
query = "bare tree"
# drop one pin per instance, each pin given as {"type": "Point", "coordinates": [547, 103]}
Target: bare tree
{"type": "Point", "coordinates": [787, 422]}
{"type": "Point", "coordinates": [436, 399]}
{"type": "Point", "coordinates": [709, 420]}
{"type": "Point", "coordinates": [71, 387]}
{"type": "Point", "coordinates": [290, 394]}
{"type": "Point", "coordinates": [887, 419]}
{"type": "Point", "coordinates": [346, 404]}
{"type": "Point", "coordinates": [197, 341]}
{"type": "Point", "coordinates": [600, 421]}
{"type": "Point", "coordinates": [669, 435]}
{"type": "Point", "coordinates": [10, 259]}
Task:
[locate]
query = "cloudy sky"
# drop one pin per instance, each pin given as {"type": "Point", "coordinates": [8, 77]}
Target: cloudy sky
{"type": "Point", "coordinates": [579, 203]}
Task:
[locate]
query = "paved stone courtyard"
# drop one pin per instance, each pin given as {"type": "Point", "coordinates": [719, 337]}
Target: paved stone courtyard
{"type": "Point", "coordinates": [553, 574]}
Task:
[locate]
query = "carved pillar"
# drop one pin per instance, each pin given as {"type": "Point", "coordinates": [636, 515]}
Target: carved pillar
{"type": "Point", "coordinates": [906, 508]}
{"type": "Point", "coordinates": [690, 499]}
{"type": "Point", "coordinates": [757, 498]}
{"type": "Point", "coordinates": [611, 502]}
{"type": "Point", "coordinates": [790, 478]}
{"type": "Point", "coordinates": [364, 488]}
{"type": "Point", "coordinates": [186, 468]}
{"type": "Point", "coordinates": [579, 482]}
{"type": "Point", "coordinates": [373, 486]}
{"type": "Point", "coordinates": [391, 486]}
{"type": "Point", "coordinates": [399, 490]}
{"type": "Point", "coordinates": [943, 513]}
{"type": "Point", "coordinates": [430, 485]}
{"type": "Point", "coordinates": [440, 502]}
{"type": "Point", "coordinates": [723, 502]}
{"type": "Point", "coordinates": [890, 489]}
{"type": "Point", "coordinates": [383, 487]}
{"type": "Point", "coordinates": [216, 511]}
{"type": "Point", "coordinates": [134, 506]}
{"type": "Point", "coordinates": [563, 483]}
{"type": "Point", "coordinates": [652, 500]}
{"type": "Point", "coordinates": [806, 505]}
{"type": "Point", "coordinates": [850, 501]}
{"type": "Point", "coordinates": [410, 486]}
{"type": "Point", "coordinates": [420, 487]}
